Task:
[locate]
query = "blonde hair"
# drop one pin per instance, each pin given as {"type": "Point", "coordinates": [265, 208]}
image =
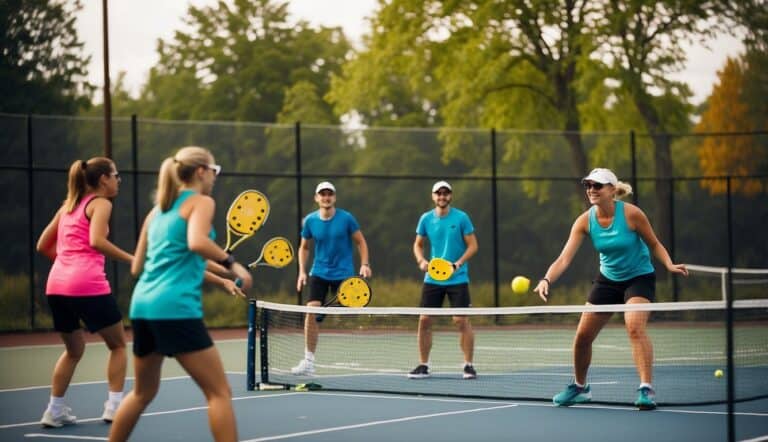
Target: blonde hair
{"type": "Point", "coordinates": [179, 169]}
{"type": "Point", "coordinates": [622, 190]}
{"type": "Point", "coordinates": [83, 176]}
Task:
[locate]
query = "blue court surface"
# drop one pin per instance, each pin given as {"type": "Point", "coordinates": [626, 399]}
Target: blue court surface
{"type": "Point", "coordinates": [179, 413]}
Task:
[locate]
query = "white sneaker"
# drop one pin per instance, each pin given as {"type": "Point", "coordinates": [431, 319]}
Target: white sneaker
{"type": "Point", "coordinates": [110, 410]}
{"type": "Point", "coordinates": [58, 420]}
{"type": "Point", "coordinates": [305, 368]}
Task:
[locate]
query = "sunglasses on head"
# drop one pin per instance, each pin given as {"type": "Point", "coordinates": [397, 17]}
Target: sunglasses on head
{"type": "Point", "coordinates": [589, 185]}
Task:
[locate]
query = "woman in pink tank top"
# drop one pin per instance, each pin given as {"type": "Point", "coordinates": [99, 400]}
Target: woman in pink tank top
{"type": "Point", "coordinates": [77, 288]}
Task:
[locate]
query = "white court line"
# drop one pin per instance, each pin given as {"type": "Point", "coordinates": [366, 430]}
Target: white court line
{"type": "Point", "coordinates": [62, 436]}
{"type": "Point", "coordinates": [373, 423]}
{"type": "Point", "coordinates": [658, 410]}
{"type": "Point", "coordinates": [37, 423]}
{"type": "Point", "coordinates": [411, 398]}
{"type": "Point", "coordinates": [757, 439]}
{"type": "Point", "coordinates": [87, 344]}
{"type": "Point", "coordinates": [543, 404]}
{"type": "Point", "coordinates": [38, 387]}
{"type": "Point", "coordinates": [156, 413]}
{"type": "Point", "coordinates": [423, 398]}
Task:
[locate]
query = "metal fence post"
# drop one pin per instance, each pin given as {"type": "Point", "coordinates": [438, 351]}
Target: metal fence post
{"type": "Point", "coordinates": [135, 161]}
{"type": "Point", "coordinates": [31, 224]}
{"type": "Point", "coordinates": [633, 161]}
{"type": "Point", "coordinates": [299, 209]}
{"type": "Point", "coordinates": [675, 287]}
{"type": "Point", "coordinates": [495, 217]}
{"type": "Point", "coordinates": [729, 317]}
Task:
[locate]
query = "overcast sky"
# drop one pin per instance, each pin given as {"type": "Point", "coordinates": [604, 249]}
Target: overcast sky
{"type": "Point", "coordinates": [136, 25]}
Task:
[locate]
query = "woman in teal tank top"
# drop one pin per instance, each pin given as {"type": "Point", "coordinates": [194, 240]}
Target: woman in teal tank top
{"type": "Point", "coordinates": [174, 255]}
{"type": "Point", "coordinates": [623, 236]}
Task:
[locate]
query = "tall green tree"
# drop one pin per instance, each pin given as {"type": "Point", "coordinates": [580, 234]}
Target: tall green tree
{"type": "Point", "coordinates": [42, 65]}
{"type": "Point", "coordinates": [237, 62]}
{"type": "Point", "coordinates": [641, 42]}
{"type": "Point", "coordinates": [510, 64]}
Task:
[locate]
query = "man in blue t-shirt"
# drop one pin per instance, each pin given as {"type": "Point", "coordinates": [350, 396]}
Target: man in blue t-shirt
{"type": "Point", "coordinates": [451, 237]}
{"type": "Point", "coordinates": [332, 231]}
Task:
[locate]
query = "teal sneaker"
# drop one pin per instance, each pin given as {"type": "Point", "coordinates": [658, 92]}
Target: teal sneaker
{"type": "Point", "coordinates": [573, 394]}
{"type": "Point", "coordinates": [645, 398]}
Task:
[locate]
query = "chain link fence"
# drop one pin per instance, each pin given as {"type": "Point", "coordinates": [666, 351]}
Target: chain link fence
{"type": "Point", "coordinates": [521, 189]}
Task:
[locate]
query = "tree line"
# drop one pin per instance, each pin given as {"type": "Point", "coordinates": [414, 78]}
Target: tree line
{"type": "Point", "coordinates": [573, 66]}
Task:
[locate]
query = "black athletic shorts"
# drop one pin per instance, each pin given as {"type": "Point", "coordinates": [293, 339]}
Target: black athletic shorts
{"type": "Point", "coordinates": [432, 295]}
{"type": "Point", "coordinates": [319, 287]}
{"type": "Point", "coordinates": [96, 312]}
{"type": "Point", "coordinates": [169, 337]}
{"type": "Point", "coordinates": [605, 291]}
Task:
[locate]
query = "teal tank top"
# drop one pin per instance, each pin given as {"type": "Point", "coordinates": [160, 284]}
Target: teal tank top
{"type": "Point", "coordinates": [623, 254]}
{"type": "Point", "coordinates": [170, 285]}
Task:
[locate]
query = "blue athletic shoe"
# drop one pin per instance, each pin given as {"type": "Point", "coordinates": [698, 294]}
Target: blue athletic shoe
{"type": "Point", "coordinates": [573, 394]}
{"type": "Point", "coordinates": [645, 398]}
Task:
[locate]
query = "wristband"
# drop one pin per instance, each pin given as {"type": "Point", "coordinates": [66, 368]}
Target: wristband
{"type": "Point", "coordinates": [227, 262]}
{"type": "Point", "coordinates": [545, 279]}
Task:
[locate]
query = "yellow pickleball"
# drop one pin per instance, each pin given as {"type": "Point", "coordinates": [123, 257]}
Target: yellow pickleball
{"type": "Point", "coordinates": [719, 373]}
{"type": "Point", "coordinates": [520, 284]}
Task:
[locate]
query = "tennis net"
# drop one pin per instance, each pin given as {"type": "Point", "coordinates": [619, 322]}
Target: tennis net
{"type": "Point", "coordinates": [711, 282]}
{"type": "Point", "coordinates": [521, 353]}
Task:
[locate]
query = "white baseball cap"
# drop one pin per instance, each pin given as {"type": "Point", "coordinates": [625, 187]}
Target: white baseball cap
{"type": "Point", "coordinates": [325, 185]}
{"type": "Point", "coordinates": [602, 176]}
{"type": "Point", "coordinates": [439, 185]}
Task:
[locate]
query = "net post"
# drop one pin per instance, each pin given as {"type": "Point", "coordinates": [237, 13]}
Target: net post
{"type": "Point", "coordinates": [251, 358]}
{"type": "Point", "coordinates": [263, 345]}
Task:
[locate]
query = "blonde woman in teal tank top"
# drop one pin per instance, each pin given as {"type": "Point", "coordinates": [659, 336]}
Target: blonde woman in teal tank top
{"type": "Point", "coordinates": [623, 236]}
{"type": "Point", "coordinates": [174, 255]}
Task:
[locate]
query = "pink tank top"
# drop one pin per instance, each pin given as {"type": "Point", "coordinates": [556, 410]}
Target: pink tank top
{"type": "Point", "coordinates": [79, 268]}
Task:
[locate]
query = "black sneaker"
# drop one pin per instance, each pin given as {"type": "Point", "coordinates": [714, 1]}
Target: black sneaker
{"type": "Point", "coordinates": [469, 372]}
{"type": "Point", "coordinates": [420, 372]}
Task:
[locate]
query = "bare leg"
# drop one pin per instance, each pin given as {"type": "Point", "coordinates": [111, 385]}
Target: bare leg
{"type": "Point", "coordinates": [74, 347]}
{"type": "Point", "coordinates": [642, 348]}
{"type": "Point", "coordinates": [114, 337]}
{"type": "Point", "coordinates": [311, 328]}
{"type": "Point", "coordinates": [466, 338]}
{"type": "Point", "coordinates": [146, 384]}
{"type": "Point", "coordinates": [206, 369]}
{"type": "Point", "coordinates": [590, 325]}
{"type": "Point", "coordinates": [425, 338]}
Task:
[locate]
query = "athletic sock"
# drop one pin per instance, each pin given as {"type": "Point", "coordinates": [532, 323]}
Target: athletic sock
{"type": "Point", "coordinates": [115, 397]}
{"type": "Point", "coordinates": [56, 404]}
